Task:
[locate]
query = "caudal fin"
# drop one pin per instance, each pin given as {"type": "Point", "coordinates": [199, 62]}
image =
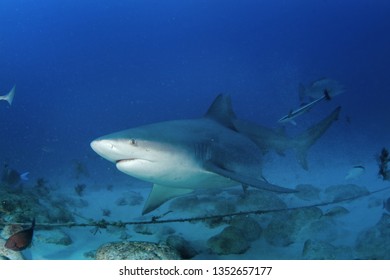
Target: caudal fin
{"type": "Point", "coordinates": [304, 141]}
{"type": "Point", "coordinates": [10, 96]}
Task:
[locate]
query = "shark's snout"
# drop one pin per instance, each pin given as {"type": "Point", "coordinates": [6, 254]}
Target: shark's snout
{"type": "Point", "coordinates": [107, 149]}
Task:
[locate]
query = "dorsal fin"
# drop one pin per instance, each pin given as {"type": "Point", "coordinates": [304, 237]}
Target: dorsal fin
{"type": "Point", "coordinates": [221, 111]}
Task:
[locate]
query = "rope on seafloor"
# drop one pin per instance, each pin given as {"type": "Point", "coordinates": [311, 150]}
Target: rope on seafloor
{"type": "Point", "coordinates": [102, 224]}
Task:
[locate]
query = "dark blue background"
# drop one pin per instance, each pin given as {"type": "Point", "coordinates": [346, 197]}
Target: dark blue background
{"type": "Point", "coordinates": [87, 68]}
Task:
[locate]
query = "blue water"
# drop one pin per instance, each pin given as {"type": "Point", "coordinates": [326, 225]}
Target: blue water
{"type": "Point", "coordinates": [83, 69]}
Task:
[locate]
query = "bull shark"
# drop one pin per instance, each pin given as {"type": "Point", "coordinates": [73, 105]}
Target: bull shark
{"type": "Point", "coordinates": [181, 156]}
{"type": "Point", "coordinates": [9, 97]}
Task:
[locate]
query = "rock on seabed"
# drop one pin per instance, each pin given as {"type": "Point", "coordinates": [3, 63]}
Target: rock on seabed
{"type": "Point", "coordinates": [136, 250]}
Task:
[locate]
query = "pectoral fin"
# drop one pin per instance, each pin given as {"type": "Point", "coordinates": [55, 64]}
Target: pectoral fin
{"type": "Point", "coordinates": [161, 194]}
{"type": "Point", "coordinates": [245, 180]}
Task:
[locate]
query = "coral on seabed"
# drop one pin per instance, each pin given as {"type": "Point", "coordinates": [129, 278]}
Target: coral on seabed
{"type": "Point", "coordinates": [136, 250]}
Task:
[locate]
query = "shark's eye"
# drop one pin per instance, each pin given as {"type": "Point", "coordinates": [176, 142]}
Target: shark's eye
{"type": "Point", "coordinates": [132, 141]}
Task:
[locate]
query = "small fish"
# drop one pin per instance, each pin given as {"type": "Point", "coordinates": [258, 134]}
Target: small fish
{"type": "Point", "coordinates": [20, 240]}
{"type": "Point", "coordinates": [295, 113]}
{"type": "Point", "coordinates": [9, 97]}
{"type": "Point", "coordinates": [386, 205]}
{"type": "Point", "coordinates": [355, 172]}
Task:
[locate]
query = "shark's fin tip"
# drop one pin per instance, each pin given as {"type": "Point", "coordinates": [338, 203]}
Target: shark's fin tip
{"type": "Point", "coordinates": [221, 110]}
{"type": "Point", "coordinates": [161, 194]}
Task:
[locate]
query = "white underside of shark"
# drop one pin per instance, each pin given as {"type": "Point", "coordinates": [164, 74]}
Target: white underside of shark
{"type": "Point", "coordinates": [181, 156]}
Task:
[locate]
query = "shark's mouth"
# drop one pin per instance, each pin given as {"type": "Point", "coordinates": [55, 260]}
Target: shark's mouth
{"type": "Point", "coordinates": [127, 160]}
{"type": "Point", "coordinates": [124, 160]}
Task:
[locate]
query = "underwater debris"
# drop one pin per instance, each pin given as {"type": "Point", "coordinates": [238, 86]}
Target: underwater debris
{"type": "Point", "coordinates": [21, 239]}
{"type": "Point", "coordinates": [383, 161]}
{"type": "Point", "coordinates": [79, 189]}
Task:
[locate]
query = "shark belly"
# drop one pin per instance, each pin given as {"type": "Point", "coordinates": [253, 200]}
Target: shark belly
{"type": "Point", "coordinates": [184, 174]}
{"type": "Point", "coordinates": [178, 176]}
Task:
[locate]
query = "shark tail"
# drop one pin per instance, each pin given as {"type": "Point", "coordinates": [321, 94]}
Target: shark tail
{"type": "Point", "coordinates": [304, 141]}
{"type": "Point", "coordinates": [10, 96]}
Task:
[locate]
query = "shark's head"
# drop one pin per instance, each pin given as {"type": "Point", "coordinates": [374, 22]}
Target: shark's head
{"type": "Point", "coordinates": [139, 153]}
{"type": "Point", "coordinates": [118, 147]}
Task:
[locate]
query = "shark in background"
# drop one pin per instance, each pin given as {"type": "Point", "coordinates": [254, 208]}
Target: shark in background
{"type": "Point", "coordinates": [322, 89]}
{"type": "Point", "coordinates": [9, 97]}
{"type": "Point", "coordinates": [214, 151]}
{"type": "Point", "coordinates": [317, 88]}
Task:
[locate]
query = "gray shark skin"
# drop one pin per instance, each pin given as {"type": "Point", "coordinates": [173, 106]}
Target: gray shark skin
{"type": "Point", "coordinates": [9, 97]}
{"type": "Point", "coordinates": [268, 139]}
{"type": "Point", "coordinates": [214, 151]}
{"type": "Point", "coordinates": [181, 156]}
